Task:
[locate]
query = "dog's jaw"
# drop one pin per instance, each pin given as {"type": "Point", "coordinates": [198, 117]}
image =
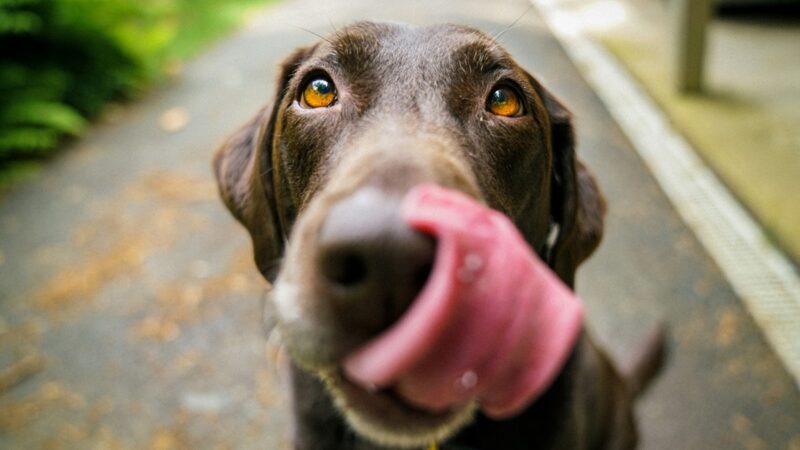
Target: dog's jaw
{"type": "Point", "coordinates": [384, 419]}
{"type": "Point", "coordinates": [378, 416]}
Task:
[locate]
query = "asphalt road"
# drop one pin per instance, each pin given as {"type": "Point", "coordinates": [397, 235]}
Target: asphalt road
{"type": "Point", "coordinates": [128, 294]}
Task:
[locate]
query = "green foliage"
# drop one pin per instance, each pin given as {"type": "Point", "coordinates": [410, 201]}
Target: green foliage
{"type": "Point", "coordinates": [57, 116]}
{"type": "Point", "coordinates": [61, 61]}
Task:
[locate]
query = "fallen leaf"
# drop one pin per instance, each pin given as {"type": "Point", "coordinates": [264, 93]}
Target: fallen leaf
{"type": "Point", "coordinates": [174, 119]}
{"type": "Point", "coordinates": [156, 328]}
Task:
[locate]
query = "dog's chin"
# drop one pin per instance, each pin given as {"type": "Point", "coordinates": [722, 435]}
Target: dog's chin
{"type": "Point", "coordinates": [384, 418]}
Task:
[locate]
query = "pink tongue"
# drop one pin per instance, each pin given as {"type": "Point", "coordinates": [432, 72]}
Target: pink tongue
{"type": "Point", "coordinates": [493, 323]}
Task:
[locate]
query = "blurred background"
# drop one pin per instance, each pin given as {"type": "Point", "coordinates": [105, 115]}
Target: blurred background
{"type": "Point", "coordinates": [130, 308]}
{"type": "Point", "coordinates": [66, 62]}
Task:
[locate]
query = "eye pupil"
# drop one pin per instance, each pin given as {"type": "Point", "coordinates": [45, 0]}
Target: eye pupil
{"type": "Point", "coordinates": [504, 102]}
{"type": "Point", "coordinates": [500, 97]}
{"type": "Point", "coordinates": [322, 87]}
{"type": "Point", "coordinates": [318, 93]}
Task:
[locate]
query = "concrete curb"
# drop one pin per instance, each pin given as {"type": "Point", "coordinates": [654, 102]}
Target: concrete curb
{"type": "Point", "coordinates": [762, 277]}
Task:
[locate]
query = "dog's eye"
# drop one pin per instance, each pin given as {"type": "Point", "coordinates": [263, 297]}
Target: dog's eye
{"type": "Point", "coordinates": [503, 101]}
{"type": "Point", "coordinates": [319, 93]}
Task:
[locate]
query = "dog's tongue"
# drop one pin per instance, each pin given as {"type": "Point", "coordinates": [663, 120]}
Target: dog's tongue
{"type": "Point", "coordinates": [492, 323]}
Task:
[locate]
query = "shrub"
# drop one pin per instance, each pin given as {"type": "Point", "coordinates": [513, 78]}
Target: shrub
{"type": "Point", "coordinates": [58, 65]}
{"type": "Point", "coordinates": [62, 60]}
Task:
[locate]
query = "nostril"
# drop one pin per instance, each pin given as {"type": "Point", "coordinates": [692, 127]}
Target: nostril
{"type": "Point", "coordinates": [421, 275]}
{"type": "Point", "coordinates": [345, 268]}
{"type": "Point", "coordinates": [370, 264]}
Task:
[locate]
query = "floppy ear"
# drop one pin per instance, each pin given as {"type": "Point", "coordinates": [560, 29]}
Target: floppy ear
{"type": "Point", "coordinates": [576, 204]}
{"type": "Point", "coordinates": [243, 167]}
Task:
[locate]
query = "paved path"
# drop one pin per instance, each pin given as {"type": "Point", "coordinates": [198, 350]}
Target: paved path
{"type": "Point", "coordinates": [121, 273]}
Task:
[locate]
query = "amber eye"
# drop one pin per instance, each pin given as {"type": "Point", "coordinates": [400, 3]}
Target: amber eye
{"type": "Point", "coordinates": [319, 93]}
{"type": "Point", "coordinates": [503, 101]}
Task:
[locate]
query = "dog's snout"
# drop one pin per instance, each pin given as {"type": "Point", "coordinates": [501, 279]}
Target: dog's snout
{"type": "Point", "coordinates": [372, 264]}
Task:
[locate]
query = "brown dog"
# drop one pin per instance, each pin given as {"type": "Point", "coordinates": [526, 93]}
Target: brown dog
{"type": "Point", "coordinates": [317, 178]}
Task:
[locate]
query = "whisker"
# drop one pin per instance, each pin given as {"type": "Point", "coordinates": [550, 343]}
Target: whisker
{"type": "Point", "coordinates": [314, 33]}
{"type": "Point", "coordinates": [504, 32]}
{"type": "Point", "coordinates": [497, 36]}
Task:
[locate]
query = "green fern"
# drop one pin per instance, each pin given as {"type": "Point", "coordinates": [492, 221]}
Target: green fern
{"type": "Point", "coordinates": [62, 60]}
{"type": "Point", "coordinates": [56, 116]}
{"type": "Point", "coordinates": [27, 141]}
{"type": "Point", "coordinates": [59, 64]}
{"type": "Point", "coordinates": [18, 22]}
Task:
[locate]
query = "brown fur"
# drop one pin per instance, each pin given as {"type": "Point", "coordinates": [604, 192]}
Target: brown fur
{"type": "Point", "coordinates": [410, 109]}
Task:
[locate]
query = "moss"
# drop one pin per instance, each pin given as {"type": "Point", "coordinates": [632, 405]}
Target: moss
{"type": "Point", "coordinates": [752, 149]}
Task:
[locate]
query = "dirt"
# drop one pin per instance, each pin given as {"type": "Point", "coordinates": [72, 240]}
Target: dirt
{"type": "Point", "coordinates": [114, 245]}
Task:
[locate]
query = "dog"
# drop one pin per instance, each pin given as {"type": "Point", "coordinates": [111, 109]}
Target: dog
{"type": "Point", "coordinates": [317, 177]}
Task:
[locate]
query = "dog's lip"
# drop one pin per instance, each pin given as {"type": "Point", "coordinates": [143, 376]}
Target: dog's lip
{"type": "Point", "coordinates": [386, 406]}
{"type": "Point", "coordinates": [390, 394]}
{"type": "Point", "coordinates": [384, 417]}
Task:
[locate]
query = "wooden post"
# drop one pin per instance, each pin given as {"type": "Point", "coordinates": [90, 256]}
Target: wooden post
{"type": "Point", "coordinates": [691, 18]}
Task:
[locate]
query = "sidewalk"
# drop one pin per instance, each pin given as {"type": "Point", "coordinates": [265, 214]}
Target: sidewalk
{"type": "Point", "coordinates": [745, 125]}
{"type": "Point", "coordinates": [121, 269]}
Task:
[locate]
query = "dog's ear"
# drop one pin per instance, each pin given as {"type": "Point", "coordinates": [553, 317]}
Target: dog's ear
{"type": "Point", "coordinates": [243, 167]}
{"type": "Point", "coordinates": [576, 205]}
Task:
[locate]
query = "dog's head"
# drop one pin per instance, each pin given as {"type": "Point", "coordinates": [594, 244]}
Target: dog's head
{"type": "Point", "coordinates": [357, 121]}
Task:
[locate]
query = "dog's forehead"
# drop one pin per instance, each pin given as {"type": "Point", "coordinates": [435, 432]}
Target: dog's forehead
{"type": "Point", "coordinates": [408, 52]}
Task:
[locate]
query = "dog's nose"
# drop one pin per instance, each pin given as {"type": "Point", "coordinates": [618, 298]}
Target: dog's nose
{"type": "Point", "coordinates": [371, 262]}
